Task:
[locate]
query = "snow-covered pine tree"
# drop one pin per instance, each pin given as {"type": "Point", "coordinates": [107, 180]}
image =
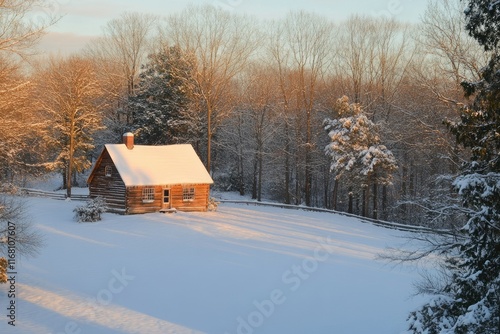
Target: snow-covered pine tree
{"type": "Point", "coordinates": [162, 107]}
{"type": "Point", "coordinates": [356, 149]}
{"type": "Point", "coordinates": [469, 302]}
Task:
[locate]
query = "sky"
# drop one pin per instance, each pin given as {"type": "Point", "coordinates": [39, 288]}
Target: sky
{"type": "Point", "coordinates": [83, 20]}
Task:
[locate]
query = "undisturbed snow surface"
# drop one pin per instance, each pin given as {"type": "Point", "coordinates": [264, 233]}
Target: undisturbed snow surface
{"type": "Point", "coordinates": [242, 269]}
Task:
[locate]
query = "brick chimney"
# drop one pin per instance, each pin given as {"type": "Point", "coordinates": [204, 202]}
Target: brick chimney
{"type": "Point", "coordinates": [128, 140]}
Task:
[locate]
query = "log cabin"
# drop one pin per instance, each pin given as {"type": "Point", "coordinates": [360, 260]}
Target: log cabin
{"type": "Point", "coordinates": [141, 178]}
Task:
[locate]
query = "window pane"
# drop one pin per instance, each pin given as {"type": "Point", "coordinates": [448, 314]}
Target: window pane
{"type": "Point", "coordinates": [188, 194]}
{"type": "Point", "coordinates": [148, 194]}
{"type": "Point", "coordinates": [108, 170]}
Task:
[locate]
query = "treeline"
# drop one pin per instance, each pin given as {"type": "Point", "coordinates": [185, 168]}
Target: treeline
{"type": "Point", "coordinates": [252, 97]}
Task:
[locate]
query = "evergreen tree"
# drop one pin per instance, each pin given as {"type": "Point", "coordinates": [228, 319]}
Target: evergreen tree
{"type": "Point", "coordinates": [356, 147]}
{"type": "Point", "coordinates": [162, 105]}
{"type": "Point", "coordinates": [483, 22]}
{"type": "Point", "coordinates": [469, 301]}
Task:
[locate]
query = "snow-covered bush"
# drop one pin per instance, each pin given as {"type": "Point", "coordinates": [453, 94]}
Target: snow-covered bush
{"type": "Point", "coordinates": [91, 211]}
{"type": "Point", "coordinates": [212, 204]}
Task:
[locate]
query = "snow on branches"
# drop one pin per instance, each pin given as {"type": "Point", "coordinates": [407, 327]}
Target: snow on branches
{"type": "Point", "coordinates": [91, 211]}
{"type": "Point", "coordinates": [163, 104]}
{"type": "Point", "coordinates": [472, 303]}
{"type": "Point", "coordinates": [355, 144]}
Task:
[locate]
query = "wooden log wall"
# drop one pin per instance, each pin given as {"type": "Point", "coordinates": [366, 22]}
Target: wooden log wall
{"type": "Point", "coordinates": [200, 201]}
{"type": "Point", "coordinates": [111, 188]}
{"type": "Point", "coordinates": [135, 203]}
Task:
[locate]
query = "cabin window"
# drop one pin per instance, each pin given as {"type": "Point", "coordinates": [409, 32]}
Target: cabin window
{"type": "Point", "coordinates": [108, 170]}
{"type": "Point", "coordinates": [188, 194]}
{"type": "Point", "coordinates": [148, 194]}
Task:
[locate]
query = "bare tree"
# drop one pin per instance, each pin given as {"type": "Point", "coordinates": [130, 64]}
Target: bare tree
{"type": "Point", "coordinates": [428, 156]}
{"type": "Point", "coordinates": [302, 45]}
{"type": "Point", "coordinates": [18, 35]}
{"type": "Point", "coordinates": [70, 95]}
{"type": "Point", "coordinates": [356, 54]}
{"type": "Point", "coordinates": [222, 43]}
{"type": "Point", "coordinates": [280, 56]}
{"type": "Point", "coordinates": [18, 31]}
{"type": "Point", "coordinates": [120, 52]}
{"type": "Point", "coordinates": [259, 104]}
{"type": "Point", "coordinates": [448, 50]}
{"type": "Point", "coordinates": [14, 219]}
{"type": "Point", "coordinates": [18, 150]}
{"type": "Point", "coordinates": [394, 51]}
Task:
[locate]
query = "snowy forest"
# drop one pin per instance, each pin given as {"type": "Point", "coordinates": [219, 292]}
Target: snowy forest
{"type": "Point", "coordinates": [352, 115]}
{"type": "Point", "coordinates": [369, 115]}
{"type": "Point", "coordinates": [349, 115]}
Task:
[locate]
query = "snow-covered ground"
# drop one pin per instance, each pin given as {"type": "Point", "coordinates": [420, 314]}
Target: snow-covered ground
{"type": "Point", "coordinates": [242, 269]}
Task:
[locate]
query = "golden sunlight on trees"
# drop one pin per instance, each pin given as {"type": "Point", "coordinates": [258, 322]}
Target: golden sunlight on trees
{"type": "Point", "coordinates": [258, 91]}
{"type": "Point", "coordinates": [222, 44]}
{"type": "Point", "coordinates": [19, 125]}
{"type": "Point", "coordinates": [71, 98]}
{"type": "Point", "coordinates": [118, 56]}
{"type": "Point", "coordinates": [18, 32]}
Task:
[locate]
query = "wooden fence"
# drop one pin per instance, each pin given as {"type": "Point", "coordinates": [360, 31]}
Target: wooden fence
{"type": "Point", "coordinates": [51, 194]}
{"type": "Point", "coordinates": [377, 222]}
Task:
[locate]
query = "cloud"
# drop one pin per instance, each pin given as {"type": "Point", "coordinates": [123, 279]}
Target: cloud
{"type": "Point", "coordinates": [64, 43]}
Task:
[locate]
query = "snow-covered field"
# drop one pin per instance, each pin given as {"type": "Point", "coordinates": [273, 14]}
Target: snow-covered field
{"type": "Point", "coordinates": [242, 269]}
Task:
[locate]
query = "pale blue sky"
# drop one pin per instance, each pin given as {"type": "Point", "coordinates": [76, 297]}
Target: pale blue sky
{"type": "Point", "coordinates": [83, 19]}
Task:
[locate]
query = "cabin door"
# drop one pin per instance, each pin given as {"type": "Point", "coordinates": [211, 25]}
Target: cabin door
{"type": "Point", "coordinates": [166, 198]}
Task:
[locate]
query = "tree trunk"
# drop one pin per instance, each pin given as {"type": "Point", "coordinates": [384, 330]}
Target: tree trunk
{"type": "Point", "coordinates": [404, 191]}
{"type": "Point", "coordinates": [366, 196]}
{"type": "Point", "coordinates": [259, 183]}
{"type": "Point", "coordinates": [308, 169]}
{"type": "Point", "coordinates": [255, 176]}
{"type": "Point", "coordinates": [287, 165]}
{"type": "Point", "coordinates": [350, 200]}
{"type": "Point", "coordinates": [308, 178]}
{"type": "Point", "coordinates": [375, 200]}
{"type": "Point", "coordinates": [297, 184]}
{"type": "Point", "coordinates": [326, 190]}
{"type": "Point", "coordinates": [209, 138]}
{"type": "Point", "coordinates": [64, 177]}
{"type": "Point", "coordinates": [241, 177]}
{"type": "Point", "coordinates": [384, 202]}
{"type": "Point", "coordinates": [241, 172]}
{"type": "Point", "coordinates": [71, 154]}
{"type": "Point", "coordinates": [411, 187]}
{"type": "Point", "coordinates": [357, 203]}
{"type": "Point", "coordinates": [335, 193]}
{"type": "Point", "coordinates": [364, 203]}
{"type": "Point", "coordinates": [68, 182]}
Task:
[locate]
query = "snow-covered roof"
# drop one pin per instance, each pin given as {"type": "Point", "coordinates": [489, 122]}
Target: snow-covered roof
{"type": "Point", "coordinates": [158, 165]}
